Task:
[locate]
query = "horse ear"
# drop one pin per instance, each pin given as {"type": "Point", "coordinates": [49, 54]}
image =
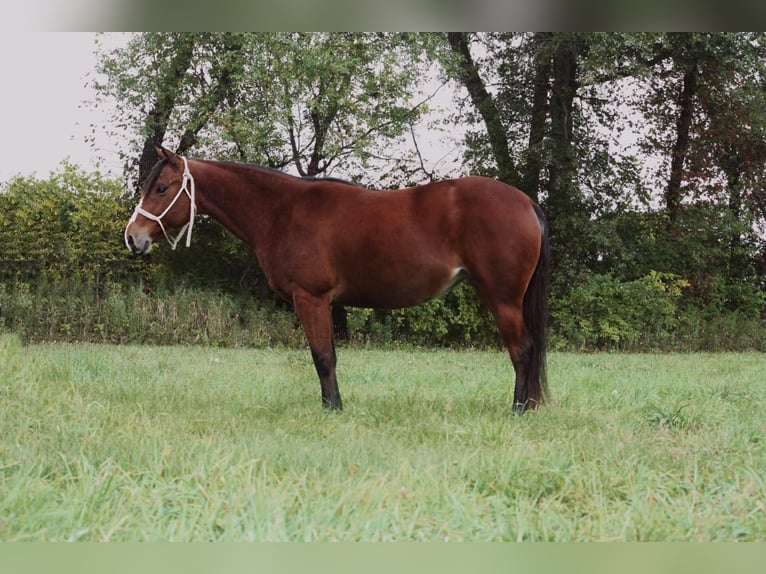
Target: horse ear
{"type": "Point", "coordinates": [165, 153]}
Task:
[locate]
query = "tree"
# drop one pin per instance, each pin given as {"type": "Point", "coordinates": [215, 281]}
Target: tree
{"type": "Point", "coordinates": [703, 103]}
{"type": "Point", "coordinates": [311, 101]}
{"type": "Point", "coordinates": [731, 139]}
{"type": "Point", "coordinates": [706, 106]}
{"type": "Point", "coordinates": [541, 70]}
{"type": "Point", "coordinates": [675, 80]}
{"type": "Point", "coordinates": [169, 55]}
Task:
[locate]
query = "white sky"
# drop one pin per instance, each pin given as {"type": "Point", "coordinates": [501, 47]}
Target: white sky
{"type": "Point", "coordinates": [42, 117]}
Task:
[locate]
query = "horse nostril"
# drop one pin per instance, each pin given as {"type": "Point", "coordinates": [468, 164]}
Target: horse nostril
{"type": "Point", "coordinates": [133, 246]}
{"type": "Point", "coordinates": [138, 244]}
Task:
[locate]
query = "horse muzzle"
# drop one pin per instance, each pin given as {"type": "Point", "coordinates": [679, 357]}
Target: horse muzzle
{"type": "Point", "coordinates": [138, 243]}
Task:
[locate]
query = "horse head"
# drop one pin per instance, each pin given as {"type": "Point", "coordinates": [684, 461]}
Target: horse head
{"type": "Point", "coordinates": [167, 203]}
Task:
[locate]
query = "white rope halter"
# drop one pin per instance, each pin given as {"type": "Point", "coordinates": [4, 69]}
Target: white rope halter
{"type": "Point", "coordinates": [187, 177]}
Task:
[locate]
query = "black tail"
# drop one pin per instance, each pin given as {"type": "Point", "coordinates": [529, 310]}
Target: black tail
{"type": "Point", "coordinates": [536, 320]}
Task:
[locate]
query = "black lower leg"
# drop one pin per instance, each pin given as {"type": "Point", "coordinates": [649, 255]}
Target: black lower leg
{"type": "Point", "coordinates": [521, 390]}
{"type": "Point", "coordinates": [520, 399]}
{"type": "Point", "coordinates": [325, 366]}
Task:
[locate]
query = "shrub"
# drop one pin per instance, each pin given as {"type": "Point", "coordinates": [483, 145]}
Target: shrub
{"type": "Point", "coordinates": [607, 313]}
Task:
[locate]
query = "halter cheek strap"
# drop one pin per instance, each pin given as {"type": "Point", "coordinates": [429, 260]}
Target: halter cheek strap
{"type": "Point", "coordinates": [187, 179]}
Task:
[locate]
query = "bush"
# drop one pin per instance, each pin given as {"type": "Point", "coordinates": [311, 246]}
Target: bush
{"type": "Point", "coordinates": [654, 312]}
{"type": "Point", "coordinates": [606, 313]}
{"type": "Point", "coordinates": [70, 224]}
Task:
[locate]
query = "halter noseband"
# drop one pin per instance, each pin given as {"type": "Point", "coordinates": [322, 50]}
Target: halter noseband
{"type": "Point", "coordinates": [139, 210]}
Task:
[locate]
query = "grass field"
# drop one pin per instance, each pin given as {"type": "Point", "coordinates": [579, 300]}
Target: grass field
{"type": "Point", "coordinates": [129, 443]}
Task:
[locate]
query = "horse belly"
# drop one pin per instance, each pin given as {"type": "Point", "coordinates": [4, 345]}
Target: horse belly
{"type": "Point", "coordinates": [399, 287]}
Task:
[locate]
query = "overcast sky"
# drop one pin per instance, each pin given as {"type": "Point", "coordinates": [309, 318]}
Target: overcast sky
{"type": "Point", "coordinates": [42, 117]}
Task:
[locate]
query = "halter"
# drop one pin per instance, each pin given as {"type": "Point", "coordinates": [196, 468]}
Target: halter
{"type": "Point", "coordinates": [187, 177]}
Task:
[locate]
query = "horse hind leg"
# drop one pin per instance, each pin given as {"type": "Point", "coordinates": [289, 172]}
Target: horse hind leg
{"type": "Point", "coordinates": [510, 323]}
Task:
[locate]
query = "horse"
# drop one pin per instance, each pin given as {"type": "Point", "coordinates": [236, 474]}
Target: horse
{"type": "Point", "coordinates": [324, 242]}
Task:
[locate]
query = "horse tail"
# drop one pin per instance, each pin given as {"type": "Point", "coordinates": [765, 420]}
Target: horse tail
{"type": "Point", "coordinates": [536, 318]}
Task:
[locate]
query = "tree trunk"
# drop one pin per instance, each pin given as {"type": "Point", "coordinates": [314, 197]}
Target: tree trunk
{"type": "Point", "coordinates": [681, 145]}
{"type": "Point", "coordinates": [562, 189]}
{"type": "Point", "coordinates": [530, 177]}
{"type": "Point", "coordinates": [469, 76]}
{"type": "Point", "coordinates": [733, 171]}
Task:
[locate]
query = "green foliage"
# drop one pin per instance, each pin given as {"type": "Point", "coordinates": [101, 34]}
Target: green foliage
{"type": "Point", "coordinates": [66, 275]}
{"type": "Point", "coordinates": [606, 313]}
{"type": "Point", "coordinates": [625, 274]}
{"type": "Point", "coordinates": [608, 152]}
{"type": "Point", "coordinates": [715, 252]}
{"type": "Point", "coordinates": [654, 312]}
{"type": "Point", "coordinates": [69, 225]}
{"type": "Point", "coordinates": [72, 311]}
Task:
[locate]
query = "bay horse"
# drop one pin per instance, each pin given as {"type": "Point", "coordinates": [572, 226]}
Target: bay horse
{"type": "Point", "coordinates": [321, 242]}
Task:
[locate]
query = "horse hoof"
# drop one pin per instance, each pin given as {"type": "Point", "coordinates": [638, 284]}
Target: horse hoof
{"type": "Point", "coordinates": [332, 406]}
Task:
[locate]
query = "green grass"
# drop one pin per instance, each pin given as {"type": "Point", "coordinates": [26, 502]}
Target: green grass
{"type": "Point", "coordinates": [132, 443]}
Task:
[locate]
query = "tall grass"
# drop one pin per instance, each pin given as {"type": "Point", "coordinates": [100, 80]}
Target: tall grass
{"type": "Point", "coordinates": [115, 313]}
{"type": "Point", "coordinates": [108, 312]}
{"type": "Point", "coordinates": [128, 442]}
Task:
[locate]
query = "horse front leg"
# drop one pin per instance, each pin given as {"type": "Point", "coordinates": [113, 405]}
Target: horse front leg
{"type": "Point", "coordinates": [316, 319]}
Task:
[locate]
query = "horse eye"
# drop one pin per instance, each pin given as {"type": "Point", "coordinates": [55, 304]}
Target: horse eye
{"type": "Point", "coordinates": [161, 189]}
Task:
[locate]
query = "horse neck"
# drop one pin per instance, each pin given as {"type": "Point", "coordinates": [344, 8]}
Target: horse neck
{"type": "Point", "coordinates": [242, 198]}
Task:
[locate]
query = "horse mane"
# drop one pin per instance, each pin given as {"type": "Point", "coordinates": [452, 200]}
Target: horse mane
{"type": "Point", "coordinates": [154, 174]}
